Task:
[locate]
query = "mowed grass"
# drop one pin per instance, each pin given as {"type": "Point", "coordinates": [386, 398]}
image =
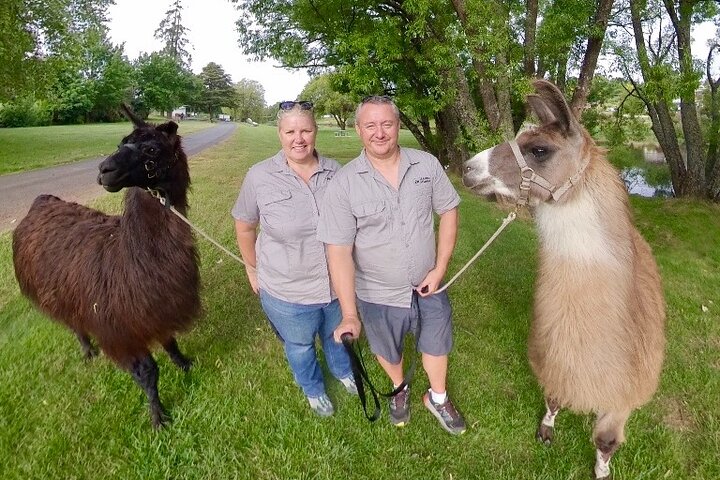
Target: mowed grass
{"type": "Point", "coordinates": [238, 413]}
{"type": "Point", "coordinates": [37, 147]}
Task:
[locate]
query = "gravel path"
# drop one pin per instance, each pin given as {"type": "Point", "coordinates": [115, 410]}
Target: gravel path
{"type": "Point", "coordinates": [77, 182]}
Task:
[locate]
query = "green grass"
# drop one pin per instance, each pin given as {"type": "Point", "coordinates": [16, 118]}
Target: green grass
{"type": "Point", "coordinates": [238, 413]}
{"type": "Point", "coordinates": [37, 147]}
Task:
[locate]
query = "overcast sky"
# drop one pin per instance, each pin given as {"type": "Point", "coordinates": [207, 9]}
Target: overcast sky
{"type": "Point", "coordinates": [213, 36]}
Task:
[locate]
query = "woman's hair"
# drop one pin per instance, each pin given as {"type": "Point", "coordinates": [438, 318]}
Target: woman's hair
{"type": "Point", "coordinates": [297, 109]}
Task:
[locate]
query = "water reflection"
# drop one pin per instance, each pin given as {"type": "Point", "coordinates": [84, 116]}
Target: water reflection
{"type": "Point", "coordinates": [636, 184]}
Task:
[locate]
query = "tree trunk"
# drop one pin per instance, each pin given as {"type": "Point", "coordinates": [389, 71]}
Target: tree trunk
{"type": "Point", "coordinates": [712, 171]}
{"type": "Point", "coordinates": [660, 115]}
{"type": "Point", "coordinates": [531, 13]}
{"type": "Point", "coordinates": [594, 46]}
{"type": "Point", "coordinates": [495, 93]}
{"type": "Point", "coordinates": [695, 184]}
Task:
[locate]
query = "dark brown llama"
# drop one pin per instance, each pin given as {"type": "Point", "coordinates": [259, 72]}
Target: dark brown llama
{"type": "Point", "coordinates": [128, 281]}
{"type": "Point", "coordinates": [597, 336]}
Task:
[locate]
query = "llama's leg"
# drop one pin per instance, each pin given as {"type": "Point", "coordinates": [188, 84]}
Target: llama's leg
{"type": "Point", "coordinates": [89, 350]}
{"type": "Point", "coordinates": [608, 434]}
{"type": "Point", "coordinates": [145, 373]}
{"type": "Point", "coordinates": [547, 424]}
{"type": "Point", "coordinates": [173, 351]}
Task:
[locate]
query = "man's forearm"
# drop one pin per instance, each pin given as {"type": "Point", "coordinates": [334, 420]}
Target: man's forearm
{"type": "Point", "coordinates": [342, 275]}
{"type": "Point", "coordinates": [447, 236]}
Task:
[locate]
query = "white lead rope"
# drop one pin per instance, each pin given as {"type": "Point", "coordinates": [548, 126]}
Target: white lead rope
{"type": "Point", "coordinates": [207, 237]}
{"type": "Point", "coordinates": [511, 216]}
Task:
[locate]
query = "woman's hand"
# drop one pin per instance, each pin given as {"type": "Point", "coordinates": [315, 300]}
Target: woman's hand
{"type": "Point", "coordinates": [252, 278]}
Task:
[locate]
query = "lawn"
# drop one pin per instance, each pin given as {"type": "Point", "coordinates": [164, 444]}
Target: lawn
{"type": "Point", "coordinates": [238, 414]}
{"type": "Point", "coordinates": [37, 147]}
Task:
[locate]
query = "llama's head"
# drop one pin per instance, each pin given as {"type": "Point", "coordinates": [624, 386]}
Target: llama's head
{"type": "Point", "coordinates": [542, 163]}
{"type": "Point", "coordinates": [147, 158]}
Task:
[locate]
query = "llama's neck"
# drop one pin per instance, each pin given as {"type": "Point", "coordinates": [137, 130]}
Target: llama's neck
{"type": "Point", "coordinates": [146, 219]}
{"type": "Point", "coordinates": [591, 227]}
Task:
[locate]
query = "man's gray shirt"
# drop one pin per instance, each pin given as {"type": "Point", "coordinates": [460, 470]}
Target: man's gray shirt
{"type": "Point", "coordinates": [392, 230]}
{"type": "Point", "coordinates": [291, 262]}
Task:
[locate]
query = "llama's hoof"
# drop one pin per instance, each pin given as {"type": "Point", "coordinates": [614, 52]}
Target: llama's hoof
{"type": "Point", "coordinates": [90, 353]}
{"type": "Point", "coordinates": [160, 419]}
{"type": "Point", "coordinates": [184, 364]}
{"type": "Point", "coordinates": [545, 434]}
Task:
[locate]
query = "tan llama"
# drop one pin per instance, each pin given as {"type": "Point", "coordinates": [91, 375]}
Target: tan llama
{"type": "Point", "coordinates": [597, 337]}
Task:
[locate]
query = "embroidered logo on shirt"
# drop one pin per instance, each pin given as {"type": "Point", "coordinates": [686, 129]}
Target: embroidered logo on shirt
{"type": "Point", "coordinates": [420, 180]}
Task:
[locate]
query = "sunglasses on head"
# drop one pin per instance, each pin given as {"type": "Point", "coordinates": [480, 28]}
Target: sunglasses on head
{"type": "Point", "coordinates": [377, 99]}
{"type": "Point", "coordinates": [289, 105]}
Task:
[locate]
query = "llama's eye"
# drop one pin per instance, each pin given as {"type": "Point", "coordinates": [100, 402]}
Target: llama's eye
{"type": "Point", "coordinates": [150, 150]}
{"type": "Point", "coordinates": [540, 153]}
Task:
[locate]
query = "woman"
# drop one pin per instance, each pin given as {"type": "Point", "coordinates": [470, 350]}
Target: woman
{"type": "Point", "coordinates": [285, 263]}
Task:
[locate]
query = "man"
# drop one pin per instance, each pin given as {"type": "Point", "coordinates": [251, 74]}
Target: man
{"type": "Point", "coordinates": [377, 222]}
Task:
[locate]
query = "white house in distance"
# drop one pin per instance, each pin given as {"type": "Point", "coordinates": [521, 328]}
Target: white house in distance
{"type": "Point", "coordinates": [180, 112]}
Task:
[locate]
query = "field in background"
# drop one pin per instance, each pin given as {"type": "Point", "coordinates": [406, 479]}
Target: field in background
{"type": "Point", "coordinates": [238, 413]}
{"type": "Point", "coordinates": [37, 147]}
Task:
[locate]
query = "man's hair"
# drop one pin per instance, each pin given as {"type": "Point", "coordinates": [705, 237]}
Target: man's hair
{"type": "Point", "coordinates": [377, 100]}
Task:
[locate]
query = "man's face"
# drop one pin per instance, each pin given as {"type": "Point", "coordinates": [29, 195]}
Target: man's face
{"type": "Point", "coordinates": [378, 127]}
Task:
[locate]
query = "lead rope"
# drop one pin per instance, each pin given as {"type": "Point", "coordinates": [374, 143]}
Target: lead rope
{"type": "Point", "coordinates": [163, 201]}
{"type": "Point", "coordinates": [511, 216]}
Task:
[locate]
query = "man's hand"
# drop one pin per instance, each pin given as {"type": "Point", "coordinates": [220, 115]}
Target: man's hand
{"type": "Point", "coordinates": [349, 325]}
{"type": "Point", "coordinates": [430, 283]}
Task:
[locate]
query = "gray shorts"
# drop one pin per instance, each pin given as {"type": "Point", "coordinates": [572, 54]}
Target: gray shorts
{"type": "Point", "coordinates": [386, 326]}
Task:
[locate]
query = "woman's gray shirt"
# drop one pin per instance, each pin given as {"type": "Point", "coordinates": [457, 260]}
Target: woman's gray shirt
{"type": "Point", "coordinates": [291, 262]}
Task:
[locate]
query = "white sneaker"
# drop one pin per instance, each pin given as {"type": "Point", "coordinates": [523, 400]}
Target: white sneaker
{"type": "Point", "coordinates": [321, 405]}
{"type": "Point", "coordinates": [349, 384]}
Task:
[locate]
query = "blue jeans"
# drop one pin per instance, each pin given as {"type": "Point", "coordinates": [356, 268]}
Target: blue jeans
{"type": "Point", "coordinates": [298, 325]}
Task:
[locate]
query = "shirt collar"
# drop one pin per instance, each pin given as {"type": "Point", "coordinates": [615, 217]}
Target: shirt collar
{"type": "Point", "coordinates": [364, 165]}
{"type": "Point", "coordinates": [279, 163]}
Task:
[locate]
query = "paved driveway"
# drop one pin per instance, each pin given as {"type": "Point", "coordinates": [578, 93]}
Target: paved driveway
{"type": "Point", "coordinates": [77, 182]}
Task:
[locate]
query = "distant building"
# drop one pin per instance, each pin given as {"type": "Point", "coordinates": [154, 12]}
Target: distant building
{"type": "Point", "coordinates": [180, 111]}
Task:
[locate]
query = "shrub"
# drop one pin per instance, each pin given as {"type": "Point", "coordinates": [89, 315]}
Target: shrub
{"type": "Point", "coordinates": [25, 112]}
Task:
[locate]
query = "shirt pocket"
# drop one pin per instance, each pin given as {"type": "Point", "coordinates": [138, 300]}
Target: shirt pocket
{"type": "Point", "coordinates": [372, 220]}
{"type": "Point", "coordinates": [422, 204]}
{"type": "Point", "coordinates": [276, 209]}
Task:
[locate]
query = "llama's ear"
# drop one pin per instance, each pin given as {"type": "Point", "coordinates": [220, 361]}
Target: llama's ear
{"type": "Point", "coordinates": [137, 121]}
{"type": "Point", "coordinates": [553, 101]}
{"type": "Point", "coordinates": [169, 128]}
{"type": "Point", "coordinates": [543, 113]}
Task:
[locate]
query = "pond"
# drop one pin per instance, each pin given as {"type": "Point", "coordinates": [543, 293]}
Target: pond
{"type": "Point", "coordinates": [636, 184]}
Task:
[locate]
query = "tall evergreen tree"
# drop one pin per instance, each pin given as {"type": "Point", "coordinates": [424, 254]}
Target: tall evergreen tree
{"type": "Point", "coordinates": [218, 90]}
{"type": "Point", "coordinates": [174, 34]}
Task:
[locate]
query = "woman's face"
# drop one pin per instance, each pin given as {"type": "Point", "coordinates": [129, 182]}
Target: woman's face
{"type": "Point", "coordinates": [297, 136]}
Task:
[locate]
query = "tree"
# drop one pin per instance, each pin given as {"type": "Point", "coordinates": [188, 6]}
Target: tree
{"type": "Point", "coordinates": [661, 69]}
{"type": "Point", "coordinates": [34, 33]}
{"type": "Point", "coordinates": [161, 83]}
{"type": "Point", "coordinates": [217, 89]}
{"type": "Point", "coordinates": [455, 68]}
{"type": "Point", "coordinates": [249, 100]}
{"type": "Point", "coordinates": [91, 80]}
{"type": "Point", "coordinates": [174, 34]}
{"type": "Point", "coordinates": [328, 101]}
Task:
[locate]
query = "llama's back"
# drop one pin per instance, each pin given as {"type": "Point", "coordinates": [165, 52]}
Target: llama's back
{"type": "Point", "coordinates": [77, 265]}
{"type": "Point", "coordinates": [50, 248]}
